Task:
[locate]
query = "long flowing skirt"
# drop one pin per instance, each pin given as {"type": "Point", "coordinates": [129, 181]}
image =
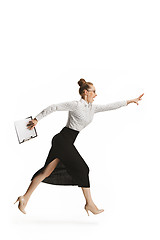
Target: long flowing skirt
{"type": "Point", "coordinates": [71, 169]}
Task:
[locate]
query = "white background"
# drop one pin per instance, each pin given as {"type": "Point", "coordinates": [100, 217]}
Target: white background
{"type": "Point", "coordinates": [46, 47]}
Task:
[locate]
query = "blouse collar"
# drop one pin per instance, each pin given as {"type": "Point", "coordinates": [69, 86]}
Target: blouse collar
{"type": "Point", "coordinates": [85, 102]}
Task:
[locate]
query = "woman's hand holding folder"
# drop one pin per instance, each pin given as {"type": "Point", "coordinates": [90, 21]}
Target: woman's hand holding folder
{"type": "Point", "coordinates": [32, 123]}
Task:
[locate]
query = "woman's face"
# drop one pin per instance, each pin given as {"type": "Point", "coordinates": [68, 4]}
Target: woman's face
{"type": "Point", "coordinates": [91, 94]}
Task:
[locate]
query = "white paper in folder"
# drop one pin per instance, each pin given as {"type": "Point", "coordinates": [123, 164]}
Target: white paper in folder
{"type": "Point", "coordinates": [23, 133]}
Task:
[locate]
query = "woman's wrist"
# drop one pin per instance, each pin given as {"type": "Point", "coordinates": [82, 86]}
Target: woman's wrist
{"type": "Point", "coordinates": [35, 119]}
{"type": "Point", "coordinates": [129, 101]}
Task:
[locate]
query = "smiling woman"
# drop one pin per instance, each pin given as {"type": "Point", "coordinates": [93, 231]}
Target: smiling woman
{"type": "Point", "coordinates": [64, 164]}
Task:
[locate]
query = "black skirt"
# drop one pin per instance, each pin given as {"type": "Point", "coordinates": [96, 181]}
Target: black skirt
{"type": "Point", "coordinates": [71, 169]}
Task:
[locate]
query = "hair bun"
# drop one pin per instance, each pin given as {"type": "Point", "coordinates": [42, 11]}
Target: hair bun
{"type": "Point", "coordinates": [81, 82]}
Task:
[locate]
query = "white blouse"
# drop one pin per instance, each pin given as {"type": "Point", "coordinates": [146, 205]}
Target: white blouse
{"type": "Point", "coordinates": [80, 113]}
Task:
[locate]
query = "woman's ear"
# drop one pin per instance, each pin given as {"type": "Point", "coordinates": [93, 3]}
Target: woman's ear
{"type": "Point", "coordinates": [85, 92]}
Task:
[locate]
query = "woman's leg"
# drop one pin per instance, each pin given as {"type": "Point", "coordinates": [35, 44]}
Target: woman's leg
{"type": "Point", "coordinates": [87, 195]}
{"type": "Point", "coordinates": [89, 202]}
{"type": "Point", "coordinates": [35, 182]}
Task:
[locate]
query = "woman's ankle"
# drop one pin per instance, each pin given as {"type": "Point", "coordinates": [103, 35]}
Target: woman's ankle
{"type": "Point", "coordinates": [26, 198]}
{"type": "Point", "coordinates": [90, 203]}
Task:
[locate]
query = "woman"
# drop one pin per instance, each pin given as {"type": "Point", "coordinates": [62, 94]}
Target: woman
{"type": "Point", "coordinates": [64, 165]}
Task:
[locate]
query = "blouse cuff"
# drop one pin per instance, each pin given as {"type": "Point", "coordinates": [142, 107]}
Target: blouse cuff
{"type": "Point", "coordinates": [38, 117]}
{"type": "Point", "coordinates": [124, 103]}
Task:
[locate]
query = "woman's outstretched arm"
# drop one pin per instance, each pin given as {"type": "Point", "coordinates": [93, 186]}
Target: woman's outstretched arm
{"type": "Point", "coordinates": [64, 106]}
{"type": "Point", "coordinates": [115, 105]}
{"type": "Point", "coordinates": [109, 106]}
